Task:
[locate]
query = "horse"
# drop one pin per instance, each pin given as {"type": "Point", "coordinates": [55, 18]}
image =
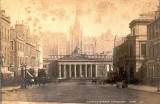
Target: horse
{"type": "Point", "coordinates": [41, 80]}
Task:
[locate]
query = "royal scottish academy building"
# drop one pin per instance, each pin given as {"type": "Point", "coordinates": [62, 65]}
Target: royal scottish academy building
{"type": "Point", "coordinates": [81, 66]}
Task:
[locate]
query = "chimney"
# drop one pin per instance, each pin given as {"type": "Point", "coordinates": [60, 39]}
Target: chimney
{"type": "Point", "coordinates": [2, 12]}
{"type": "Point", "coordinates": [157, 13]}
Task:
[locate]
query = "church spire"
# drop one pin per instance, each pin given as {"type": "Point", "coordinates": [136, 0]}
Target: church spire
{"type": "Point", "coordinates": [76, 32]}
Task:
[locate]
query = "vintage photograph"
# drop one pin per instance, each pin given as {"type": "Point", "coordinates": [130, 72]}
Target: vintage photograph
{"type": "Point", "coordinates": [79, 51]}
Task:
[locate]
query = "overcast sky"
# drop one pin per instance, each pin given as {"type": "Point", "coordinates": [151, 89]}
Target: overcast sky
{"type": "Point", "coordinates": [96, 16]}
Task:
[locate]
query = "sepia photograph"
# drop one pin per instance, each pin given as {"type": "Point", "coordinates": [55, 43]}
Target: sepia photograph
{"type": "Point", "coordinates": [79, 51]}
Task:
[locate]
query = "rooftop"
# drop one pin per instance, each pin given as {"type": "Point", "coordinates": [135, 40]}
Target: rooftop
{"type": "Point", "coordinates": [4, 16]}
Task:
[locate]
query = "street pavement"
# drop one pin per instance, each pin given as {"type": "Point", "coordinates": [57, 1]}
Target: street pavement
{"type": "Point", "coordinates": [146, 88]}
{"type": "Point", "coordinates": [78, 92]}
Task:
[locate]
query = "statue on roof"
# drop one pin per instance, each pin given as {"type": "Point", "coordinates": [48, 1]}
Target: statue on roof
{"type": "Point", "coordinates": [76, 51]}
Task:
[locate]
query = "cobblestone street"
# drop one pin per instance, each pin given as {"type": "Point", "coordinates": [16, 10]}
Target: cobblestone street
{"type": "Point", "coordinates": [78, 92]}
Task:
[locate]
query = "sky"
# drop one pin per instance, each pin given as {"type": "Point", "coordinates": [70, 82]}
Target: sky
{"type": "Point", "coordinates": [95, 16]}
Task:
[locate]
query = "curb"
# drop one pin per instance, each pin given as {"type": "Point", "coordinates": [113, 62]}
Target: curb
{"type": "Point", "coordinates": [144, 90]}
{"type": "Point", "coordinates": [11, 90]}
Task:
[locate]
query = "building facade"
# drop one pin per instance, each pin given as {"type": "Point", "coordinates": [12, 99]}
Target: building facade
{"type": "Point", "coordinates": [60, 44]}
{"type": "Point", "coordinates": [32, 52]}
{"type": "Point", "coordinates": [130, 56]}
{"type": "Point", "coordinates": [89, 45]}
{"type": "Point", "coordinates": [18, 42]}
{"type": "Point", "coordinates": [153, 49]}
{"type": "Point", "coordinates": [4, 42]}
{"type": "Point", "coordinates": [104, 43]}
{"type": "Point", "coordinates": [55, 44]}
{"type": "Point", "coordinates": [24, 49]}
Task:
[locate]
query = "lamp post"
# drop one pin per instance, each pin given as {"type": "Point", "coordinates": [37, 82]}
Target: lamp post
{"type": "Point", "coordinates": [158, 87]}
{"type": "Point", "coordinates": [1, 57]}
{"type": "Point", "coordinates": [1, 63]}
{"type": "Point", "coordinates": [23, 72]}
{"type": "Point", "coordinates": [158, 78]}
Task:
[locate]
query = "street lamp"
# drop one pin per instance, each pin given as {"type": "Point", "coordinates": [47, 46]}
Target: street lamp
{"type": "Point", "coordinates": [22, 71]}
{"type": "Point", "coordinates": [23, 75]}
{"type": "Point", "coordinates": [1, 58]}
{"type": "Point", "coordinates": [1, 61]}
{"type": "Point", "coordinates": [158, 77]}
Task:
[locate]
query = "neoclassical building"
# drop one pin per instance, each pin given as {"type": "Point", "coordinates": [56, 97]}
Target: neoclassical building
{"type": "Point", "coordinates": [153, 49]}
{"type": "Point", "coordinates": [130, 55]}
{"type": "Point", "coordinates": [78, 66]}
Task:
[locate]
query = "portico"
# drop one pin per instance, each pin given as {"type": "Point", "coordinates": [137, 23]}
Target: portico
{"type": "Point", "coordinates": [78, 66]}
{"type": "Point", "coordinates": [77, 70]}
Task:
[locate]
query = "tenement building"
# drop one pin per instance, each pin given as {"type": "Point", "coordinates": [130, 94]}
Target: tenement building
{"type": "Point", "coordinates": [24, 49]}
{"type": "Point", "coordinates": [4, 43]}
{"type": "Point", "coordinates": [130, 56]}
{"type": "Point", "coordinates": [153, 46]}
{"type": "Point", "coordinates": [32, 53]}
{"type": "Point", "coordinates": [18, 42]}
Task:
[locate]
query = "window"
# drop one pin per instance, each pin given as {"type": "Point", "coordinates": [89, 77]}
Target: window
{"type": "Point", "coordinates": [158, 48]}
{"type": "Point", "coordinates": [149, 33]}
{"type": "Point", "coordinates": [131, 50]}
{"type": "Point", "coordinates": [5, 34]}
{"type": "Point", "coordinates": [12, 45]}
{"type": "Point", "coordinates": [8, 35]}
{"type": "Point", "coordinates": [153, 34]}
{"type": "Point", "coordinates": [152, 52]}
{"type": "Point", "coordinates": [1, 32]}
{"type": "Point", "coordinates": [133, 31]}
{"type": "Point", "coordinates": [157, 34]}
{"type": "Point", "coordinates": [143, 49]}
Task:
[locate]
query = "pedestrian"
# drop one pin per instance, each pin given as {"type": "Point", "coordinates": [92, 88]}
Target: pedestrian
{"type": "Point", "coordinates": [124, 80]}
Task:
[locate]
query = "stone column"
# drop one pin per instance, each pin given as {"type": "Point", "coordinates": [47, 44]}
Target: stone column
{"type": "Point", "coordinates": [70, 72]}
{"type": "Point", "coordinates": [81, 70]}
{"type": "Point", "coordinates": [75, 72]}
{"type": "Point", "coordinates": [59, 71]}
{"type": "Point", "coordinates": [96, 70]}
{"type": "Point", "coordinates": [86, 70]}
{"type": "Point", "coordinates": [64, 70]}
{"type": "Point", "coordinates": [91, 71]}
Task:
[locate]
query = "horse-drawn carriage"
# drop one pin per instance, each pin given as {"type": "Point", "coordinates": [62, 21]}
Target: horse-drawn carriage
{"type": "Point", "coordinates": [29, 78]}
{"type": "Point", "coordinates": [100, 80]}
{"type": "Point", "coordinates": [41, 78]}
{"type": "Point", "coordinates": [113, 78]}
